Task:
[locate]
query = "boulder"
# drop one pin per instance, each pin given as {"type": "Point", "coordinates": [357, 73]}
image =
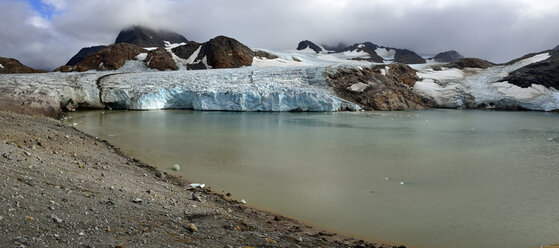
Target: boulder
{"type": "Point", "coordinates": [11, 66]}
{"type": "Point", "coordinates": [110, 58]}
{"type": "Point", "coordinates": [160, 59]}
{"type": "Point", "coordinates": [406, 56]}
{"type": "Point", "coordinates": [147, 37]}
{"type": "Point", "coordinates": [309, 44]}
{"type": "Point", "coordinates": [544, 73]}
{"type": "Point", "coordinates": [470, 63]}
{"type": "Point", "coordinates": [84, 52]}
{"type": "Point", "coordinates": [383, 87]}
{"type": "Point", "coordinates": [448, 56]}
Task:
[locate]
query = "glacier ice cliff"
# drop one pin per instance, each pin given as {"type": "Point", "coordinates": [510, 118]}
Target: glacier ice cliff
{"type": "Point", "coordinates": [243, 89]}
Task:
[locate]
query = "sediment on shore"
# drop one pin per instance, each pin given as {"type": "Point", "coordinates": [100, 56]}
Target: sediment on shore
{"type": "Point", "coordinates": [63, 188]}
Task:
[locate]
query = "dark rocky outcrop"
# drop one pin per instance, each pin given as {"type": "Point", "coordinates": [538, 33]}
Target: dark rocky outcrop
{"type": "Point", "coordinates": [220, 52]}
{"type": "Point", "coordinates": [147, 37]}
{"type": "Point", "coordinates": [263, 54]}
{"type": "Point", "coordinates": [556, 48]}
{"type": "Point", "coordinates": [12, 66]}
{"type": "Point", "coordinates": [160, 59]}
{"type": "Point", "coordinates": [84, 52]}
{"type": "Point", "coordinates": [406, 56]}
{"type": "Point", "coordinates": [376, 88]}
{"type": "Point", "coordinates": [544, 73]}
{"type": "Point", "coordinates": [225, 52]}
{"type": "Point", "coordinates": [110, 58]}
{"type": "Point", "coordinates": [448, 56]}
{"type": "Point", "coordinates": [309, 44]}
{"type": "Point", "coordinates": [470, 63]}
{"type": "Point", "coordinates": [367, 47]}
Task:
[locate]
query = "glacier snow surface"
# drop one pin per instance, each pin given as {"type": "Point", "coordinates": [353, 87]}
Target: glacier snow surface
{"type": "Point", "coordinates": [468, 88]}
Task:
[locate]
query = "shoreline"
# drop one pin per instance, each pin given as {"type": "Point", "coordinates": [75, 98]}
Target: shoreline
{"type": "Point", "coordinates": [93, 195]}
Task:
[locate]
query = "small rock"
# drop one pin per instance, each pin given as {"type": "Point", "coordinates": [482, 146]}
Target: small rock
{"type": "Point", "coordinates": [550, 139]}
{"type": "Point", "coordinates": [243, 201]}
{"type": "Point", "coordinates": [402, 183]}
{"type": "Point", "coordinates": [137, 200]}
{"type": "Point", "coordinates": [81, 233]}
{"type": "Point", "coordinates": [196, 197]}
{"type": "Point", "coordinates": [191, 227]}
{"type": "Point", "coordinates": [7, 156]}
{"type": "Point", "coordinates": [28, 154]}
{"type": "Point", "coordinates": [55, 218]}
{"type": "Point", "coordinates": [51, 208]}
{"type": "Point", "coordinates": [176, 167]}
{"type": "Point", "coordinates": [160, 175]}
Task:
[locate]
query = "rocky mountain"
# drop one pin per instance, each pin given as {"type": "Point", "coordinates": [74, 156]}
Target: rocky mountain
{"type": "Point", "coordinates": [219, 52]}
{"type": "Point", "coordinates": [366, 47]}
{"type": "Point", "coordinates": [406, 56]}
{"type": "Point", "coordinates": [11, 66]}
{"type": "Point", "coordinates": [448, 56]}
{"type": "Point", "coordinates": [556, 48]}
{"type": "Point", "coordinates": [544, 73]}
{"type": "Point", "coordinates": [147, 37]}
{"type": "Point", "coordinates": [84, 52]}
{"type": "Point", "coordinates": [309, 44]}
{"type": "Point", "coordinates": [112, 57]}
{"type": "Point", "coordinates": [368, 51]}
{"type": "Point", "coordinates": [470, 63]}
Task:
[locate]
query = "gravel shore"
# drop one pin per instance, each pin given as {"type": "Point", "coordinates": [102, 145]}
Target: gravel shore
{"type": "Point", "coordinates": [63, 188]}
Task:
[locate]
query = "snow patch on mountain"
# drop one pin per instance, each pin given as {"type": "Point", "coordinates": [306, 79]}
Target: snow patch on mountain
{"type": "Point", "coordinates": [1, 66]}
{"type": "Point", "coordinates": [471, 88]}
{"type": "Point", "coordinates": [385, 53]}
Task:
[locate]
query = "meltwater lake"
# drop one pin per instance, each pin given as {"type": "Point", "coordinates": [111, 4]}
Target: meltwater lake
{"type": "Point", "coordinates": [436, 178]}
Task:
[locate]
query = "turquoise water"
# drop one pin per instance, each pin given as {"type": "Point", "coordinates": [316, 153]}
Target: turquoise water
{"type": "Point", "coordinates": [471, 178]}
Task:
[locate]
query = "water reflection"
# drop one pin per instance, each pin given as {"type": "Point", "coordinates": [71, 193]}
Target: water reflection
{"type": "Point", "coordinates": [472, 178]}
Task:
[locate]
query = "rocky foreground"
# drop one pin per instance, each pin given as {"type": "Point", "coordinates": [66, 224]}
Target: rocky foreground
{"type": "Point", "coordinates": [63, 188]}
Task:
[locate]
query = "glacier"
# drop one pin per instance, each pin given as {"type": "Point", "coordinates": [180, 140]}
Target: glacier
{"type": "Point", "coordinates": [301, 84]}
{"type": "Point", "coordinates": [241, 89]}
{"type": "Point", "coordinates": [484, 88]}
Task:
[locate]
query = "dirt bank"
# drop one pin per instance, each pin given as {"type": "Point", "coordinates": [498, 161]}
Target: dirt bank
{"type": "Point", "coordinates": [63, 188]}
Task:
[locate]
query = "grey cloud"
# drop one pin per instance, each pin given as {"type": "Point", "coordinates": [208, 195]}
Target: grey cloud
{"type": "Point", "coordinates": [496, 30]}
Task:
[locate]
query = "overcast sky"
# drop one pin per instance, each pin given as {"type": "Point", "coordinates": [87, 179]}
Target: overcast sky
{"type": "Point", "coordinates": [46, 33]}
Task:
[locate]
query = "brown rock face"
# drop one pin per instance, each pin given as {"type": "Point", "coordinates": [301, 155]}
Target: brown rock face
{"type": "Point", "coordinates": [225, 52]}
{"type": "Point", "coordinates": [262, 54]}
{"type": "Point", "coordinates": [220, 52]}
{"type": "Point", "coordinates": [375, 90]}
{"type": "Point", "coordinates": [12, 66]}
{"type": "Point", "coordinates": [471, 63]}
{"type": "Point", "coordinates": [111, 58]}
{"type": "Point", "coordinates": [160, 59]}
